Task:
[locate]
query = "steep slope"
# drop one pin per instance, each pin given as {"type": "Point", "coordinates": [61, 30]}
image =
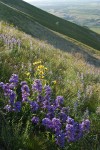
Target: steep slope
{"type": "Point", "coordinates": [27, 16]}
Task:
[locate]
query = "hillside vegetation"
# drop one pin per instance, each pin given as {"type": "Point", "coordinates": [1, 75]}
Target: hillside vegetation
{"type": "Point", "coordinates": [49, 81]}
{"type": "Point", "coordinates": [26, 16]}
{"type": "Point", "coordinates": [67, 74]}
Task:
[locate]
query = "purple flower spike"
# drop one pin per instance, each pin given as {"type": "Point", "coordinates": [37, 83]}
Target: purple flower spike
{"type": "Point", "coordinates": [14, 79]}
{"type": "Point", "coordinates": [37, 86]}
{"type": "Point", "coordinates": [85, 125]}
{"type": "Point", "coordinates": [17, 106]}
{"type": "Point", "coordinates": [63, 117]}
{"type": "Point", "coordinates": [47, 122]}
{"type": "Point", "coordinates": [25, 92]}
{"type": "Point", "coordinates": [59, 101]}
{"type": "Point", "coordinates": [60, 139]}
{"type": "Point", "coordinates": [47, 90]}
{"type": "Point", "coordinates": [12, 97]}
{"type": "Point", "coordinates": [70, 133]}
{"type": "Point", "coordinates": [6, 88]}
{"type": "Point", "coordinates": [7, 108]}
{"type": "Point", "coordinates": [70, 120]}
{"type": "Point", "coordinates": [34, 106]}
{"type": "Point", "coordinates": [56, 124]}
{"type": "Point", "coordinates": [35, 120]}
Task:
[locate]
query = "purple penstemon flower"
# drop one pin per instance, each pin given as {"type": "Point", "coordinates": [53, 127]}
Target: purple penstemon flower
{"type": "Point", "coordinates": [12, 97]}
{"type": "Point", "coordinates": [8, 108]}
{"type": "Point", "coordinates": [35, 120]}
{"type": "Point", "coordinates": [70, 132]}
{"type": "Point", "coordinates": [70, 120]}
{"type": "Point", "coordinates": [14, 79]}
{"type": "Point", "coordinates": [56, 124]}
{"type": "Point", "coordinates": [62, 116]}
{"type": "Point", "coordinates": [50, 115]}
{"type": "Point", "coordinates": [25, 92]}
{"type": "Point", "coordinates": [34, 106]}
{"type": "Point", "coordinates": [60, 139]}
{"type": "Point", "coordinates": [85, 125]}
{"type": "Point", "coordinates": [40, 98]}
{"type": "Point", "coordinates": [59, 101]}
{"type": "Point", "coordinates": [37, 86]}
{"type": "Point", "coordinates": [78, 131]}
{"type": "Point", "coordinates": [47, 122]}
{"type": "Point", "coordinates": [17, 106]}
{"type": "Point", "coordinates": [6, 89]}
{"type": "Point", "coordinates": [45, 104]}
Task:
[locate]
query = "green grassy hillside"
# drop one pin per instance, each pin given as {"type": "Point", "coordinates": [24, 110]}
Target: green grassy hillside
{"type": "Point", "coordinates": [28, 15]}
{"type": "Point", "coordinates": [68, 75]}
{"type": "Point", "coordinates": [63, 66]}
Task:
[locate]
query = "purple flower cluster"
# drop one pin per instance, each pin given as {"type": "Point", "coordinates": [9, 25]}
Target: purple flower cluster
{"type": "Point", "coordinates": [54, 116]}
{"type": "Point", "coordinates": [37, 86]}
{"type": "Point", "coordinates": [25, 91]}
{"type": "Point", "coordinates": [10, 94]}
{"type": "Point", "coordinates": [74, 130]}
{"type": "Point", "coordinates": [10, 41]}
{"type": "Point", "coordinates": [35, 120]}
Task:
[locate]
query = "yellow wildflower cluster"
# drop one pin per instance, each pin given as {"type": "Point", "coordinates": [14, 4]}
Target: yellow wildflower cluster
{"type": "Point", "coordinates": [37, 63]}
{"type": "Point", "coordinates": [27, 74]}
{"type": "Point", "coordinates": [40, 69]}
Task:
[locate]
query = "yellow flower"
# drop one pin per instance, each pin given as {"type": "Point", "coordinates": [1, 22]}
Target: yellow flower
{"type": "Point", "coordinates": [54, 82]}
{"type": "Point", "coordinates": [37, 62]}
{"type": "Point", "coordinates": [40, 67]}
{"type": "Point", "coordinates": [42, 77]}
{"type": "Point", "coordinates": [46, 68]}
{"type": "Point", "coordinates": [28, 73]}
{"type": "Point", "coordinates": [41, 72]}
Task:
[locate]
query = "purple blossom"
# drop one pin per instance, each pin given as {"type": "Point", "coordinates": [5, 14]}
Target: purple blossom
{"type": "Point", "coordinates": [34, 106]}
{"type": "Point", "coordinates": [60, 139]}
{"type": "Point", "coordinates": [47, 90]}
{"type": "Point", "coordinates": [85, 125]}
{"type": "Point", "coordinates": [35, 120]}
{"type": "Point", "coordinates": [70, 132]}
{"type": "Point", "coordinates": [51, 108]}
{"type": "Point", "coordinates": [25, 92]}
{"type": "Point", "coordinates": [59, 101]}
{"type": "Point", "coordinates": [45, 104]}
{"type": "Point", "coordinates": [7, 108]}
{"type": "Point", "coordinates": [12, 97]}
{"type": "Point", "coordinates": [6, 89]}
{"type": "Point", "coordinates": [70, 120]}
{"type": "Point", "coordinates": [56, 124]}
{"type": "Point", "coordinates": [50, 115]}
{"type": "Point", "coordinates": [37, 86]}
{"type": "Point", "coordinates": [40, 99]}
{"type": "Point", "coordinates": [78, 131]}
{"type": "Point", "coordinates": [17, 106]}
{"type": "Point", "coordinates": [62, 117]}
{"type": "Point", "coordinates": [47, 122]}
{"type": "Point", "coordinates": [14, 79]}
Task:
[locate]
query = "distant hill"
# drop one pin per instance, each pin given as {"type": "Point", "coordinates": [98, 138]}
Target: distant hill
{"type": "Point", "coordinates": [39, 23]}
